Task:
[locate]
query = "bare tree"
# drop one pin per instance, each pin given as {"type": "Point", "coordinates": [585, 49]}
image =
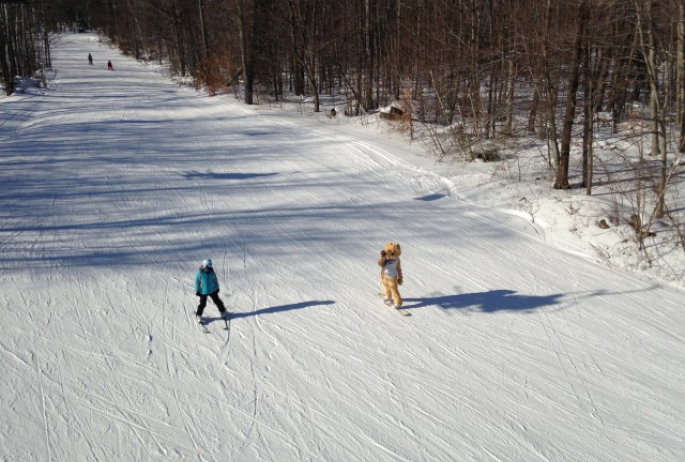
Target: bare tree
{"type": "Point", "coordinates": [561, 181]}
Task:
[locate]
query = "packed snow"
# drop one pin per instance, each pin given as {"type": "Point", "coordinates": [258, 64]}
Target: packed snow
{"type": "Point", "coordinates": [115, 185]}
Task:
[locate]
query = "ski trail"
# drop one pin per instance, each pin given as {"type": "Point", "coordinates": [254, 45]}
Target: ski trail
{"type": "Point", "coordinates": [119, 184]}
{"type": "Point", "coordinates": [46, 426]}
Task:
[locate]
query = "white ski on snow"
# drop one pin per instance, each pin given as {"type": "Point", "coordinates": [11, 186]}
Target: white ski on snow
{"type": "Point", "coordinates": [390, 303]}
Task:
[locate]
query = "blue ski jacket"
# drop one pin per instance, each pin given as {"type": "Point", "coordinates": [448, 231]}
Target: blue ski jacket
{"type": "Point", "coordinates": [206, 282]}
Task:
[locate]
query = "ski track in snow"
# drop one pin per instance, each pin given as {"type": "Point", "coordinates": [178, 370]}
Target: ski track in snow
{"type": "Point", "coordinates": [114, 185]}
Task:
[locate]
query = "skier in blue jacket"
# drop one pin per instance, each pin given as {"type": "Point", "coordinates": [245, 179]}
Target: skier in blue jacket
{"type": "Point", "coordinates": [207, 285]}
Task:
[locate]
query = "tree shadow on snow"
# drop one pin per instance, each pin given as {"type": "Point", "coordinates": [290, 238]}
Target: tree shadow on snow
{"type": "Point", "coordinates": [274, 310]}
{"type": "Point", "coordinates": [225, 176]}
{"type": "Point", "coordinates": [486, 302]}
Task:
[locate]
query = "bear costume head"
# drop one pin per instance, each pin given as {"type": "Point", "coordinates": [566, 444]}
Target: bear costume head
{"type": "Point", "coordinates": [391, 251]}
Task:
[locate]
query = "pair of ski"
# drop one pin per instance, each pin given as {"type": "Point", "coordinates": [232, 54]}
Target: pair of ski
{"type": "Point", "coordinates": [204, 324]}
{"type": "Point", "coordinates": [391, 304]}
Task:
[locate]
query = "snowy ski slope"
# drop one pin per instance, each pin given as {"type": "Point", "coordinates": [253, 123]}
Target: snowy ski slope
{"type": "Point", "coordinates": [115, 185]}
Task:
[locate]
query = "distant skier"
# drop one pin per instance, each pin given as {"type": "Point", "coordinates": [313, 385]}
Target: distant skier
{"type": "Point", "coordinates": [207, 285]}
{"type": "Point", "coordinates": [90, 59]}
{"type": "Point", "coordinates": [109, 66]}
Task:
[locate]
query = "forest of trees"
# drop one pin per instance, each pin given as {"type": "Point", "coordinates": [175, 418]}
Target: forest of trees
{"type": "Point", "coordinates": [556, 64]}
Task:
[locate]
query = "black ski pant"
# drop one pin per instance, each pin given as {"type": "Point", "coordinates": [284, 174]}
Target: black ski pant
{"type": "Point", "coordinates": [215, 298]}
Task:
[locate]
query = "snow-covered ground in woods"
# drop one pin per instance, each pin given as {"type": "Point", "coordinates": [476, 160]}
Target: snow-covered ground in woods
{"type": "Point", "coordinates": [115, 185]}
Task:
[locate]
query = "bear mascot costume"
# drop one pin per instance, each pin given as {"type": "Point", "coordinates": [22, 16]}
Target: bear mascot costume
{"type": "Point", "coordinates": [391, 273]}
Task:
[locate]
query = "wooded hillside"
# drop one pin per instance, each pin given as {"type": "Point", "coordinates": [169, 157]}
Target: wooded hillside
{"type": "Point", "coordinates": [483, 67]}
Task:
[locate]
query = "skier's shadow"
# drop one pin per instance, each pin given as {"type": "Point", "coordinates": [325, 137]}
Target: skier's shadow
{"type": "Point", "coordinates": [274, 310]}
{"type": "Point", "coordinates": [486, 302]}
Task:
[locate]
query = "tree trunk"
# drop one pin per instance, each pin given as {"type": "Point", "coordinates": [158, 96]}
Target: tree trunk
{"type": "Point", "coordinates": [368, 59]}
{"type": "Point", "coordinates": [203, 28]}
{"type": "Point", "coordinates": [658, 128]}
{"type": "Point", "coordinates": [551, 86]}
{"type": "Point", "coordinates": [681, 75]}
{"type": "Point", "coordinates": [7, 76]}
{"type": "Point", "coordinates": [561, 181]}
{"type": "Point", "coordinates": [180, 43]}
{"type": "Point", "coordinates": [511, 82]}
{"type": "Point", "coordinates": [588, 122]}
{"type": "Point", "coordinates": [297, 44]}
{"type": "Point", "coordinates": [247, 52]}
{"type": "Point", "coordinates": [532, 116]}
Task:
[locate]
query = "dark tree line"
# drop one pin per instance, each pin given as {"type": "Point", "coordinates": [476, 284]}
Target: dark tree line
{"type": "Point", "coordinates": [555, 64]}
{"type": "Point", "coordinates": [24, 41]}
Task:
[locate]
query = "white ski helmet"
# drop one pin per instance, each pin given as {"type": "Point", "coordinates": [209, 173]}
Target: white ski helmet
{"type": "Point", "coordinates": [207, 263]}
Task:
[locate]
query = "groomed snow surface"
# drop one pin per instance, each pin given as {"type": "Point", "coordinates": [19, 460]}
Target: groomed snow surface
{"type": "Point", "coordinates": [114, 186]}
